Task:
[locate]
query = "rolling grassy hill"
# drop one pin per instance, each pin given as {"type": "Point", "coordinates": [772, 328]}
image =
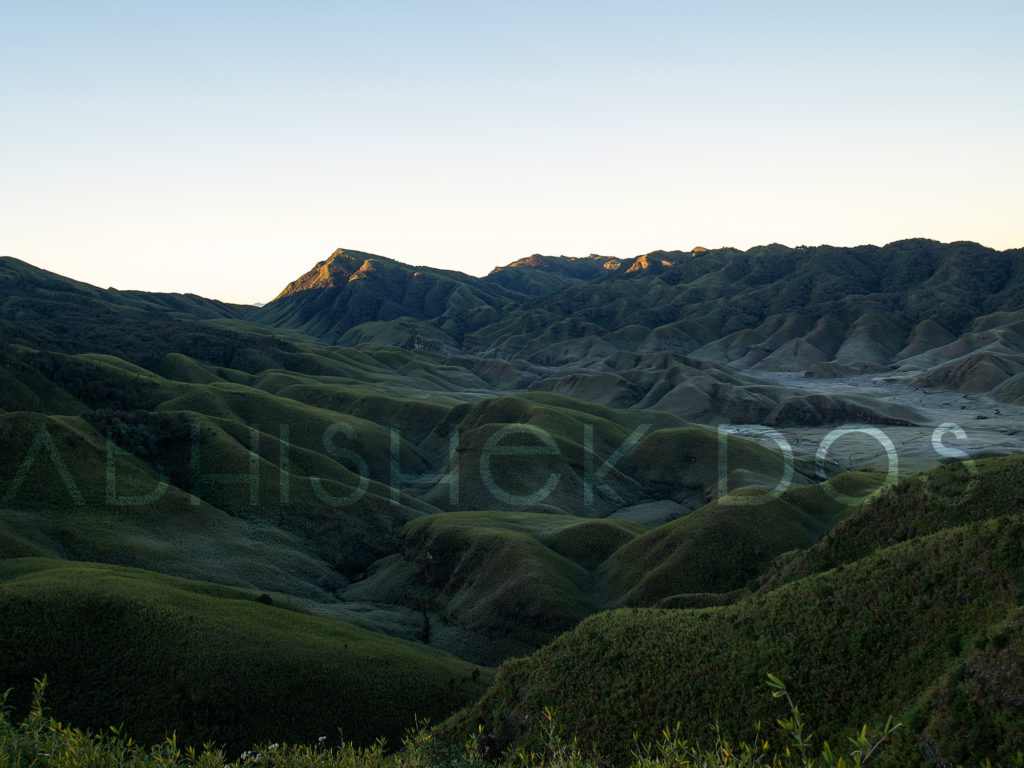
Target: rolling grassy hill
{"type": "Point", "coordinates": [928, 630]}
{"type": "Point", "coordinates": [956, 494]}
{"type": "Point", "coordinates": [326, 454]}
{"type": "Point", "coordinates": [910, 606]}
{"type": "Point", "coordinates": [210, 663]}
{"type": "Point", "coordinates": [518, 577]}
{"type": "Point", "coordinates": [299, 479]}
{"type": "Point", "coordinates": [723, 546]}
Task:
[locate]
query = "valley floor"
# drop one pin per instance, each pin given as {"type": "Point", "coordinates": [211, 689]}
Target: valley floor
{"type": "Point", "coordinates": [989, 427]}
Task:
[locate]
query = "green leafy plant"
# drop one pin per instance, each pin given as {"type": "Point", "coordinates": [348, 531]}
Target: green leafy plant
{"type": "Point", "coordinates": [39, 741]}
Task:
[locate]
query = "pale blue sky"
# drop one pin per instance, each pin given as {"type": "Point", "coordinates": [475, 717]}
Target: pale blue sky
{"type": "Point", "coordinates": [224, 150]}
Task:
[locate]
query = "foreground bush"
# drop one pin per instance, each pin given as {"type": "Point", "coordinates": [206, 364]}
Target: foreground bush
{"type": "Point", "coordinates": [39, 740]}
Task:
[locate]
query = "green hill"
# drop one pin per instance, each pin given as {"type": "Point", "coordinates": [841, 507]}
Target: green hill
{"type": "Point", "coordinates": [954, 494]}
{"type": "Point", "coordinates": [725, 545]}
{"type": "Point", "coordinates": [920, 630]}
{"type": "Point", "coordinates": [518, 578]}
{"type": "Point", "coordinates": [210, 663]}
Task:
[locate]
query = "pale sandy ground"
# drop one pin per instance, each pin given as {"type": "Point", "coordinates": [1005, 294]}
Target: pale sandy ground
{"type": "Point", "coordinates": [989, 427]}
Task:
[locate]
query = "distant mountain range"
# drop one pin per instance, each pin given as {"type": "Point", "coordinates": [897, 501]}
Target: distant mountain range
{"type": "Point", "coordinates": [950, 313]}
{"type": "Point", "coordinates": [668, 329]}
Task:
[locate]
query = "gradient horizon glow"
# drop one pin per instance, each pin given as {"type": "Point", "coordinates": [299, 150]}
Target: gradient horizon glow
{"type": "Point", "coordinates": [224, 150]}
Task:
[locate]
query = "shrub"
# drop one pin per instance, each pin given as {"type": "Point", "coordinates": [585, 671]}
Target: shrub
{"type": "Point", "coordinates": [42, 741]}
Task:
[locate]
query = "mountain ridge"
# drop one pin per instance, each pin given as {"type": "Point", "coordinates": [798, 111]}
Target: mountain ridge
{"type": "Point", "coordinates": [907, 307]}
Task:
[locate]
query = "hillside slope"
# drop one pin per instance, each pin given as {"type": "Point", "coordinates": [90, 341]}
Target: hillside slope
{"type": "Point", "coordinates": [209, 663]}
{"type": "Point", "coordinates": [929, 629]}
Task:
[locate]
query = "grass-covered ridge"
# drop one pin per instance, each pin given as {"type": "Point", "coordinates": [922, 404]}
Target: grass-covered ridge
{"type": "Point", "coordinates": [954, 494]}
{"type": "Point", "coordinates": [211, 663]}
{"type": "Point", "coordinates": [524, 576]}
{"type": "Point", "coordinates": [723, 546]}
{"type": "Point", "coordinates": [884, 635]}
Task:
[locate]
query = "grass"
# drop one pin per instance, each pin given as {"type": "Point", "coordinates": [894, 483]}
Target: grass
{"type": "Point", "coordinates": [683, 459]}
{"type": "Point", "coordinates": [210, 663]}
{"type": "Point", "coordinates": [873, 639]}
{"type": "Point", "coordinates": [518, 578]}
{"type": "Point", "coordinates": [40, 739]}
{"type": "Point", "coordinates": [954, 494]}
{"type": "Point", "coordinates": [725, 545]}
{"type": "Point", "coordinates": [529, 575]}
{"type": "Point", "coordinates": [187, 420]}
{"type": "Point", "coordinates": [290, 527]}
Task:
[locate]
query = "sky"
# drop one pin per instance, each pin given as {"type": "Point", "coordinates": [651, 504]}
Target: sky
{"type": "Point", "coordinates": [224, 148]}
